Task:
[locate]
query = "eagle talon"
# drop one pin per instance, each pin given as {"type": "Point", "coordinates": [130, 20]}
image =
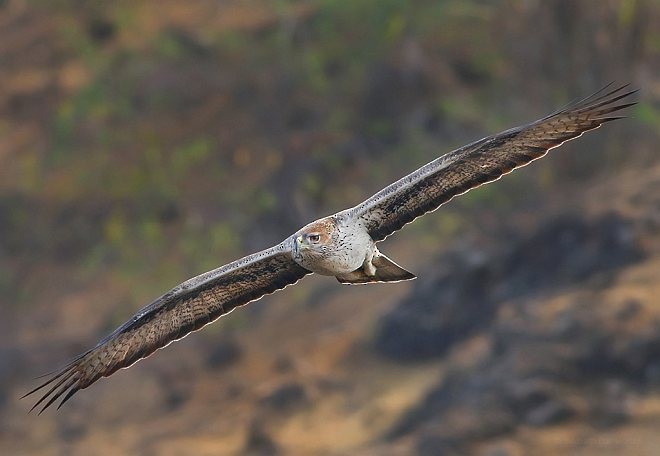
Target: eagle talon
{"type": "Point", "coordinates": [369, 268]}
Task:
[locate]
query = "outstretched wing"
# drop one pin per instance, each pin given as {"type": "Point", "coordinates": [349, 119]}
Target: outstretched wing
{"type": "Point", "coordinates": [183, 309]}
{"type": "Point", "coordinates": [482, 161]}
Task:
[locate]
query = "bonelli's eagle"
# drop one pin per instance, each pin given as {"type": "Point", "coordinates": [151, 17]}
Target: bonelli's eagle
{"type": "Point", "coordinates": [341, 245]}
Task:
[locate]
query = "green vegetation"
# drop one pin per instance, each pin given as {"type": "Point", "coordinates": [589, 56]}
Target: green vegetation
{"type": "Point", "coordinates": [186, 132]}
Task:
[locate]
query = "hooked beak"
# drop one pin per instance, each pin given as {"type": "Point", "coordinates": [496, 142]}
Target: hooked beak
{"type": "Point", "coordinates": [299, 243]}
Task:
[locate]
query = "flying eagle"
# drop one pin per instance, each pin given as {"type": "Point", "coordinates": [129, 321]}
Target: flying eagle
{"type": "Point", "coordinates": [341, 245]}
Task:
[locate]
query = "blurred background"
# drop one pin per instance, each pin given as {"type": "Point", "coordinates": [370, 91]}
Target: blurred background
{"type": "Point", "coordinates": [142, 143]}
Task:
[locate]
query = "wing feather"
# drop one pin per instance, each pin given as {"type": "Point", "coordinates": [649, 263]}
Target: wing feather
{"type": "Point", "coordinates": [483, 161]}
{"type": "Point", "coordinates": [184, 309]}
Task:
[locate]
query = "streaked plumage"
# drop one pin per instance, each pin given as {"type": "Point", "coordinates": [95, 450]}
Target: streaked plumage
{"type": "Point", "coordinates": [341, 245]}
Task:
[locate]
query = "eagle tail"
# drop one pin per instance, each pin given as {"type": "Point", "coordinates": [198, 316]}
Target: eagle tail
{"type": "Point", "coordinates": [386, 271]}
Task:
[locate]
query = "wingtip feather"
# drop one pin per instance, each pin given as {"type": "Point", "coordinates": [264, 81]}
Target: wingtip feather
{"type": "Point", "coordinates": [611, 119]}
{"type": "Point", "coordinates": [69, 395]}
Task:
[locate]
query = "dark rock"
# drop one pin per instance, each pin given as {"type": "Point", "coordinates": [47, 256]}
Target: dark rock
{"type": "Point", "coordinates": [438, 313]}
{"type": "Point", "coordinates": [224, 354]}
{"type": "Point", "coordinates": [609, 405]}
{"type": "Point", "coordinates": [283, 364]}
{"type": "Point", "coordinates": [286, 398]}
{"type": "Point", "coordinates": [652, 373]}
{"type": "Point", "coordinates": [629, 309]}
{"type": "Point", "coordinates": [496, 451]}
{"type": "Point", "coordinates": [479, 400]}
{"type": "Point", "coordinates": [258, 442]}
{"type": "Point", "coordinates": [72, 429]}
{"type": "Point", "coordinates": [548, 413]}
{"type": "Point", "coordinates": [526, 396]}
{"type": "Point", "coordinates": [431, 445]}
{"type": "Point", "coordinates": [176, 398]}
{"type": "Point", "coordinates": [610, 356]}
{"type": "Point", "coordinates": [567, 250]}
{"type": "Point", "coordinates": [470, 285]}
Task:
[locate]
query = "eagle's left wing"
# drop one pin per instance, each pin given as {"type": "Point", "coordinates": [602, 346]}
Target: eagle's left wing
{"type": "Point", "coordinates": [480, 162]}
{"type": "Point", "coordinates": [183, 309]}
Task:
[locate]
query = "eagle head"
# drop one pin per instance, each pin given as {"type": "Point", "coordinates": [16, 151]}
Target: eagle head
{"type": "Point", "coordinates": [316, 240]}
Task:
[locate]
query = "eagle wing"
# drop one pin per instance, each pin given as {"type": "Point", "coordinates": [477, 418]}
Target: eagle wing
{"type": "Point", "coordinates": [482, 161]}
{"type": "Point", "coordinates": [184, 309]}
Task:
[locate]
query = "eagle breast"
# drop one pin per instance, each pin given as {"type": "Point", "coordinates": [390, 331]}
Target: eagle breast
{"type": "Point", "coordinates": [332, 245]}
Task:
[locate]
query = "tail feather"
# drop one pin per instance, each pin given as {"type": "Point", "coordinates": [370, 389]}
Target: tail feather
{"type": "Point", "coordinates": [386, 271]}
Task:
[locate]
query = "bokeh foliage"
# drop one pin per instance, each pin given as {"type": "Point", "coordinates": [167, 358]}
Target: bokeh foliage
{"type": "Point", "coordinates": [189, 134]}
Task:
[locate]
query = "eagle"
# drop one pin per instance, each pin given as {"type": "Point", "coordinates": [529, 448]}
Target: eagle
{"type": "Point", "coordinates": [343, 245]}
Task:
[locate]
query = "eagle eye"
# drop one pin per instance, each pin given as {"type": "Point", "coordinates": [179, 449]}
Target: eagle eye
{"type": "Point", "coordinates": [314, 238]}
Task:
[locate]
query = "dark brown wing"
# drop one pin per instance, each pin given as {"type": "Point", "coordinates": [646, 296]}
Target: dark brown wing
{"type": "Point", "coordinates": [183, 309]}
{"type": "Point", "coordinates": [482, 161]}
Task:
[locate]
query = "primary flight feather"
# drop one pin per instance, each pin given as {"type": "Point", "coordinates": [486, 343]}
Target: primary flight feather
{"type": "Point", "coordinates": [341, 245]}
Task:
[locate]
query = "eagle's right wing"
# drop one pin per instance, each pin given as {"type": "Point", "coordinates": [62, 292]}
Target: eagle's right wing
{"type": "Point", "coordinates": [183, 309]}
{"type": "Point", "coordinates": [480, 162]}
